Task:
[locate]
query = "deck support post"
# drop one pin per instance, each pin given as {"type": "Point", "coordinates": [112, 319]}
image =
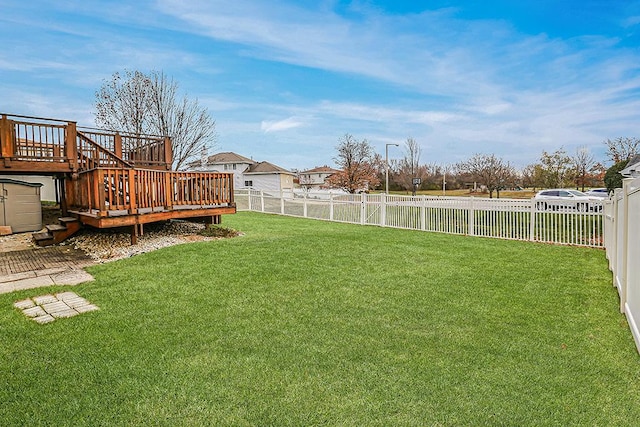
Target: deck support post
{"type": "Point", "coordinates": [61, 183]}
{"type": "Point", "coordinates": [134, 234]}
{"type": "Point", "coordinates": [213, 219]}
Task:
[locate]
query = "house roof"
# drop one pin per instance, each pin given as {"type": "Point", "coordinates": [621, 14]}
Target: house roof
{"type": "Point", "coordinates": [633, 167]}
{"type": "Point", "coordinates": [266, 167]}
{"type": "Point", "coordinates": [321, 169]}
{"type": "Point", "coordinates": [228, 157]}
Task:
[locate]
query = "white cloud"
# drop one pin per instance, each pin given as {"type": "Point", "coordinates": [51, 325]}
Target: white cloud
{"type": "Point", "coordinates": [281, 125]}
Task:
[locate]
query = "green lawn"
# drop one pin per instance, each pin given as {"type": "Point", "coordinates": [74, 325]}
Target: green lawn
{"type": "Point", "coordinates": [303, 322]}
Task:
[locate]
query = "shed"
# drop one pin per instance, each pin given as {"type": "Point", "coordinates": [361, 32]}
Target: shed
{"type": "Point", "coordinates": [20, 206]}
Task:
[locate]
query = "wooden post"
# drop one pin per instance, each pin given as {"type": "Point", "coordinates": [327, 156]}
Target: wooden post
{"type": "Point", "coordinates": [71, 149]}
{"type": "Point", "coordinates": [61, 182]}
{"type": "Point", "coordinates": [117, 145]}
{"type": "Point", "coordinates": [133, 197]}
{"type": "Point", "coordinates": [134, 234]}
{"type": "Point", "coordinates": [168, 191]}
{"type": "Point", "coordinates": [168, 153]}
{"type": "Point", "coordinates": [6, 137]}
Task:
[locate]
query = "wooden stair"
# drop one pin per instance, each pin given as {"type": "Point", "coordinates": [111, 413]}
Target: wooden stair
{"type": "Point", "coordinates": [56, 233]}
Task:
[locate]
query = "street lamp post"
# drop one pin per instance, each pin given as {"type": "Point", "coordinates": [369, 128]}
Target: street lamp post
{"type": "Point", "coordinates": [386, 162]}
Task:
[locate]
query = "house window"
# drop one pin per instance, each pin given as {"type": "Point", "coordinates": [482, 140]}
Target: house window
{"type": "Point", "coordinates": [248, 183]}
{"type": "Point", "coordinates": [226, 167]}
{"type": "Point", "coordinates": [234, 166]}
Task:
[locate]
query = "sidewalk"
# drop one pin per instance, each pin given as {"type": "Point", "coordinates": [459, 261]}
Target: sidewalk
{"type": "Point", "coordinates": [34, 268]}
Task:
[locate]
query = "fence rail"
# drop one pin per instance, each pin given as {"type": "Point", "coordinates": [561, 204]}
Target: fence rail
{"type": "Point", "coordinates": [498, 218]}
{"type": "Point", "coordinates": [622, 243]}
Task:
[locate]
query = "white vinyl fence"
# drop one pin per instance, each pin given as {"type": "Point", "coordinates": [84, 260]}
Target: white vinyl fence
{"type": "Point", "coordinates": [499, 218]}
{"type": "Point", "coordinates": [622, 243]}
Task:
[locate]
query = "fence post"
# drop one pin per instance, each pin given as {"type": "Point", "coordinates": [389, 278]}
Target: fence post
{"type": "Point", "coordinates": [383, 210]}
{"type": "Point", "coordinates": [281, 203]}
{"type": "Point", "coordinates": [261, 201]}
{"type": "Point", "coordinates": [363, 208]}
{"type": "Point", "coordinates": [304, 205]}
{"type": "Point", "coordinates": [532, 220]}
{"type": "Point", "coordinates": [423, 214]}
{"type": "Point", "coordinates": [330, 207]}
{"type": "Point", "coordinates": [622, 272]}
{"type": "Point", "coordinates": [471, 219]}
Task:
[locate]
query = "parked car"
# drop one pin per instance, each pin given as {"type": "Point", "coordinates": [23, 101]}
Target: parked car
{"type": "Point", "coordinates": [566, 199]}
{"type": "Point", "coordinates": [598, 192]}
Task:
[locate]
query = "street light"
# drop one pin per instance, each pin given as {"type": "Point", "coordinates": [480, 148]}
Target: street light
{"type": "Point", "coordinates": [386, 162]}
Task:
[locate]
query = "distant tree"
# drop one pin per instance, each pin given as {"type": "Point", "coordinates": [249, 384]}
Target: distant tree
{"type": "Point", "coordinates": [358, 164]}
{"type": "Point", "coordinates": [530, 176]}
{"type": "Point", "coordinates": [556, 169]}
{"type": "Point", "coordinates": [409, 167]}
{"type": "Point", "coordinates": [622, 148]}
{"type": "Point", "coordinates": [488, 170]}
{"type": "Point", "coordinates": [140, 103]}
{"type": "Point", "coordinates": [583, 162]}
{"type": "Point", "coordinates": [613, 179]}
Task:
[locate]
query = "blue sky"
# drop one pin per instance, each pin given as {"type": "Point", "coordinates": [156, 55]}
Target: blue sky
{"type": "Point", "coordinates": [285, 80]}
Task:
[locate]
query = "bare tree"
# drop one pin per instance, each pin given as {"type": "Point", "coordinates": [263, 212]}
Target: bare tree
{"type": "Point", "coordinates": [123, 103]}
{"type": "Point", "coordinates": [622, 148]}
{"type": "Point", "coordinates": [358, 164]}
{"type": "Point", "coordinates": [489, 170]}
{"type": "Point", "coordinates": [150, 104]}
{"type": "Point", "coordinates": [409, 166]}
{"type": "Point", "coordinates": [583, 161]}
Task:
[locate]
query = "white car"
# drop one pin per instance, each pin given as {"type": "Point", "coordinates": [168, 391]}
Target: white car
{"type": "Point", "coordinates": [566, 199]}
{"type": "Point", "coordinates": [598, 192]}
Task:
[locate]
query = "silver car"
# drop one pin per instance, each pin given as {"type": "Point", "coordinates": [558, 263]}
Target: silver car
{"type": "Point", "coordinates": [566, 199]}
{"type": "Point", "coordinates": [598, 192]}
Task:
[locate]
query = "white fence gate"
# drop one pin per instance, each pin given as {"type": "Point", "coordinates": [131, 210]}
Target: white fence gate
{"type": "Point", "coordinates": [499, 218]}
{"type": "Point", "coordinates": [622, 243]}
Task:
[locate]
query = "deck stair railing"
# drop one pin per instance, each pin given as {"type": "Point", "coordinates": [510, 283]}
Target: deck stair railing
{"type": "Point", "coordinates": [91, 155]}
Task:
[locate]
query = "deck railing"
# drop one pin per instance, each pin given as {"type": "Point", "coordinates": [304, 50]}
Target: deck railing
{"type": "Point", "coordinates": [110, 191]}
{"type": "Point", "coordinates": [41, 140]}
{"type": "Point", "coordinates": [498, 218]}
{"type": "Point", "coordinates": [34, 139]}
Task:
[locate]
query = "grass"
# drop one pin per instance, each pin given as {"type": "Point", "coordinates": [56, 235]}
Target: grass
{"type": "Point", "coordinates": [303, 322]}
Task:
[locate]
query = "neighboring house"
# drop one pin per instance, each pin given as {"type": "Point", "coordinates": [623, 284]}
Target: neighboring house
{"type": "Point", "coordinates": [316, 178]}
{"type": "Point", "coordinates": [247, 173]}
{"type": "Point", "coordinates": [633, 168]}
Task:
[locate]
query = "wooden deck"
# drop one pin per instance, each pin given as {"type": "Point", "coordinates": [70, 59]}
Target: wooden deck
{"type": "Point", "coordinates": [111, 179]}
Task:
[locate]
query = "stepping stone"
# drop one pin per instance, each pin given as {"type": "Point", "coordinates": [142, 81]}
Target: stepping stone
{"type": "Point", "coordinates": [86, 308]}
{"type": "Point", "coordinates": [44, 299]}
{"type": "Point", "coordinates": [34, 311]}
{"type": "Point", "coordinates": [47, 318]}
{"type": "Point", "coordinates": [66, 295]}
{"type": "Point", "coordinates": [76, 302]}
{"type": "Point", "coordinates": [25, 303]}
{"type": "Point", "coordinates": [54, 307]}
{"type": "Point", "coordinates": [65, 313]}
